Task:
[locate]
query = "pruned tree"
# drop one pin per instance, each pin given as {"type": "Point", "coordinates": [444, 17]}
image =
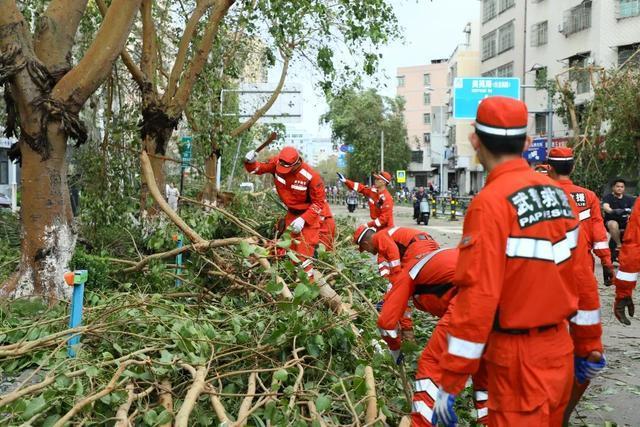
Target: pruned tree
{"type": "Point", "coordinates": [44, 93]}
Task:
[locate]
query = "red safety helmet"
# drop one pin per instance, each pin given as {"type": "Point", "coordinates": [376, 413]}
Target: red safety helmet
{"type": "Point", "coordinates": [501, 116]}
{"type": "Point", "coordinates": [359, 235]}
{"type": "Point", "coordinates": [559, 154]}
{"type": "Point", "coordinates": [287, 159]}
{"type": "Point", "coordinates": [385, 176]}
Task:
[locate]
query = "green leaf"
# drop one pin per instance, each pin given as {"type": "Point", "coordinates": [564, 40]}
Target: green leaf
{"type": "Point", "coordinates": [281, 375]}
{"type": "Point", "coordinates": [151, 417]}
{"type": "Point", "coordinates": [274, 287]}
{"type": "Point", "coordinates": [323, 403]}
{"type": "Point", "coordinates": [164, 417]}
{"type": "Point", "coordinates": [34, 406]}
{"type": "Point", "coordinates": [92, 371]}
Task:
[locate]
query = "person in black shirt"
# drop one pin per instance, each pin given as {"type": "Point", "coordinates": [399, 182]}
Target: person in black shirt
{"type": "Point", "coordinates": [417, 198]}
{"type": "Point", "coordinates": [617, 207]}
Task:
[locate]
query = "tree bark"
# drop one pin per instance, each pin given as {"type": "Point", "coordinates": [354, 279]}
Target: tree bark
{"type": "Point", "coordinates": [210, 190]}
{"type": "Point", "coordinates": [48, 237]}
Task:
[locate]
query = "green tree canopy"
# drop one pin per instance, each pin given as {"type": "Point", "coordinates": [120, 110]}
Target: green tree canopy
{"type": "Point", "coordinates": [357, 118]}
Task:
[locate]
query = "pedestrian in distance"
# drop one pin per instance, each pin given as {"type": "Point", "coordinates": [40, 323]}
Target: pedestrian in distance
{"type": "Point", "coordinates": [518, 276]}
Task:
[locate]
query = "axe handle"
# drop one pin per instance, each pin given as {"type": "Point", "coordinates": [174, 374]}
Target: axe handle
{"type": "Point", "coordinates": [269, 140]}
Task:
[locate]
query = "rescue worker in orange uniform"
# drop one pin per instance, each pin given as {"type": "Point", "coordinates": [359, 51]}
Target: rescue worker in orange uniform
{"type": "Point", "coordinates": [380, 200]}
{"type": "Point", "coordinates": [561, 165]}
{"type": "Point", "coordinates": [395, 247]}
{"type": "Point", "coordinates": [560, 161]}
{"type": "Point", "coordinates": [301, 189]}
{"type": "Point", "coordinates": [627, 274]}
{"type": "Point", "coordinates": [517, 277]}
{"type": "Point", "coordinates": [327, 227]}
{"type": "Point", "coordinates": [424, 274]}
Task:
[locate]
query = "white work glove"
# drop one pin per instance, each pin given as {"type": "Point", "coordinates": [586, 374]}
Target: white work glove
{"type": "Point", "coordinates": [341, 177]}
{"type": "Point", "coordinates": [443, 409]}
{"type": "Point", "coordinates": [297, 224]}
{"type": "Point", "coordinates": [250, 157]}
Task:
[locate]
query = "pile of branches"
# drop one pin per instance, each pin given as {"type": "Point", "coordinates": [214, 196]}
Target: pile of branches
{"type": "Point", "coordinates": [245, 339]}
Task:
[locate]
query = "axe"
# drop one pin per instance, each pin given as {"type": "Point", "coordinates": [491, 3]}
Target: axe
{"type": "Point", "coordinates": [272, 137]}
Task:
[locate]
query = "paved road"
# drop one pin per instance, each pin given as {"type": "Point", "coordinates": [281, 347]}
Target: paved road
{"type": "Point", "coordinates": [614, 397]}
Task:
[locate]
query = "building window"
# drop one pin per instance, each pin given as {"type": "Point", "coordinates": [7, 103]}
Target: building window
{"type": "Point", "coordinates": [489, 10]}
{"type": "Point", "coordinates": [426, 79]}
{"type": "Point", "coordinates": [426, 118]}
{"type": "Point", "coordinates": [576, 19]}
{"type": "Point", "coordinates": [578, 73]}
{"type": "Point", "coordinates": [417, 156]}
{"type": "Point", "coordinates": [489, 47]}
{"type": "Point", "coordinates": [625, 52]}
{"type": "Point", "coordinates": [506, 39]}
{"type": "Point", "coordinates": [541, 123]}
{"type": "Point", "coordinates": [4, 167]}
{"type": "Point", "coordinates": [628, 8]}
{"type": "Point", "coordinates": [505, 70]}
{"type": "Point", "coordinates": [426, 137]}
{"type": "Point", "coordinates": [490, 73]}
{"type": "Point", "coordinates": [506, 4]}
{"type": "Point", "coordinates": [400, 81]}
{"type": "Point", "coordinates": [539, 34]}
{"type": "Point", "coordinates": [426, 98]}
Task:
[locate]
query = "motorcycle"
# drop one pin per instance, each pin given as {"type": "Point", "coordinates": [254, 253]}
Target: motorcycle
{"type": "Point", "coordinates": [425, 211]}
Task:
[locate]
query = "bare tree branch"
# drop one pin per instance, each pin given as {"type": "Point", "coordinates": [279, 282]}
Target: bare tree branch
{"type": "Point", "coordinates": [149, 58]}
{"type": "Point", "coordinates": [56, 32]}
{"type": "Point", "coordinates": [263, 110]}
{"type": "Point", "coordinates": [179, 101]}
{"type": "Point", "coordinates": [128, 61]}
{"type": "Point", "coordinates": [79, 83]}
{"type": "Point", "coordinates": [183, 47]}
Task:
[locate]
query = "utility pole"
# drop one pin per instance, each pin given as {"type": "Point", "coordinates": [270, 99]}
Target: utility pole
{"type": "Point", "coordinates": [381, 150]}
{"type": "Point", "coordinates": [549, 120]}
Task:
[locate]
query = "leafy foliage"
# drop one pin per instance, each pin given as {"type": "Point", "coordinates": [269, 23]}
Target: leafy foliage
{"type": "Point", "coordinates": [357, 119]}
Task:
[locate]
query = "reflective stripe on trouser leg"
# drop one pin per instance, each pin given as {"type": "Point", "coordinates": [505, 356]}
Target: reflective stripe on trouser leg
{"type": "Point", "coordinates": [424, 398]}
{"type": "Point", "coordinates": [480, 398]}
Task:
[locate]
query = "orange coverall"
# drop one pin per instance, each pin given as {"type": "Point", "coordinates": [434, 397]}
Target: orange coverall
{"type": "Point", "coordinates": [518, 278]}
{"type": "Point", "coordinates": [302, 192]}
{"type": "Point", "coordinates": [428, 279]}
{"type": "Point", "coordinates": [380, 204]}
{"type": "Point", "coordinates": [627, 274]}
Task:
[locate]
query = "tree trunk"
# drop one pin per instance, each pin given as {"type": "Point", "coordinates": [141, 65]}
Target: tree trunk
{"type": "Point", "coordinates": [210, 190]}
{"type": "Point", "coordinates": [48, 238]}
{"type": "Point", "coordinates": [152, 147]}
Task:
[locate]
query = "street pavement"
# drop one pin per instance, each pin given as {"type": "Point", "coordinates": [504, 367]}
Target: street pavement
{"type": "Point", "coordinates": [612, 398]}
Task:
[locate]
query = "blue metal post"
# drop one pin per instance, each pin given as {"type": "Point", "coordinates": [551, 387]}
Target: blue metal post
{"type": "Point", "coordinates": [179, 261]}
{"type": "Point", "coordinates": [75, 320]}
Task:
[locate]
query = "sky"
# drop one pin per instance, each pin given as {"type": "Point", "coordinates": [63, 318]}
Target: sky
{"type": "Point", "coordinates": [431, 30]}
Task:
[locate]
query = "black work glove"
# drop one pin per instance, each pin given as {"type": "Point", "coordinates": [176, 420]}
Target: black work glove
{"type": "Point", "coordinates": [618, 211]}
{"type": "Point", "coordinates": [619, 307]}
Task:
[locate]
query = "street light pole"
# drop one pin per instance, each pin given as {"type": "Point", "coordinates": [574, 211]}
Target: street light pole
{"type": "Point", "coordinates": [381, 150]}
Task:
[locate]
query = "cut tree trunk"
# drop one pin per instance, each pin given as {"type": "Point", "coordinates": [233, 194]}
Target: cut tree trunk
{"type": "Point", "coordinates": [210, 190]}
{"type": "Point", "coordinates": [48, 238]}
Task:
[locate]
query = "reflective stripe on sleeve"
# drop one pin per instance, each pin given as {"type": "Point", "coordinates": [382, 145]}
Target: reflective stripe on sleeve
{"type": "Point", "coordinates": [586, 317]}
{"type": "Point", "coordinates": [480, 396]}
{"type": "Point", "coordinates": [384, 272]}
{"type": "Point", "coordinates": [392, 230]}
{"type": "Point", "coordinates": [601, 245]}
{"type": "Point", "coordinates": [463, 348]}
{"type": "Point", "coordinates": [585, 214]}
{"type": "Point", "coordinates": [281, 179]}
{"type": "Point", "coordinates": [371, 200]}
{"type": "Point", "coordinates": [394, 263]}
{"type": "Point", "coordinates": [423, 409]}
{"type": "Point", "coordinates": [391, 333]}
{"type": "Point", "coordinates": [356, 186]}
{"type": "Point", "coordinates": [427, 386]}
{"type": "Point", "coordinates": [383, 264]}
{"type": "Point", "coordinates": [306, 174]}
{"type": "Point", "coordinates": [627, 277]}
{"type": "Point", "coordinates": [482, 412]}
{"type": "Point", "coordinates": [377, 222]}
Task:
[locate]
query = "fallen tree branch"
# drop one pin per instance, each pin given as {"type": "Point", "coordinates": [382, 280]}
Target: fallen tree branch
{"type": "Point", "coordinates": [122, 414]}
{"type": "Point", "coordinates": [199, 374]}
{"type": "Point", "coordinates": [245, 406]}
{"type": "Point", "coordinates": [166, 398]}
{"type": "Point", "coordinates": [108, 389]}
{"type": "Point", "coordinates": [285, 292]}
{"type": "Point", "coordinates": [219, 409]}
{"type": "Point", "coordinates": [372, 404]}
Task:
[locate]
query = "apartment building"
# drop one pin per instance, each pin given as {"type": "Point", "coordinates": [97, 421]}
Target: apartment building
{"type": "Point", "coordinates": [502, 37]}
{"type": "Point", "coordinates": [575, 33]}
{"type": "Point", "coordinates": [462, 167]}
{"type": "Point", "coordinates": [424, 89]}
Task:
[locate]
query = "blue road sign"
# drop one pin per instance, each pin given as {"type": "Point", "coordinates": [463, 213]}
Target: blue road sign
{"type": "Point", "coordinates": [537, 151]}
{"type": "Point", "coordinates": [342, 161]}
{"type": "Point", "coordinates": [469, 91]}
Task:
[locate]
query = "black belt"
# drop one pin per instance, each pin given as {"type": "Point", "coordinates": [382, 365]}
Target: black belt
{"type": "Point", "coordinates": [438, 290]}
{"type": "Point", "coordinates": [525, 331]}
